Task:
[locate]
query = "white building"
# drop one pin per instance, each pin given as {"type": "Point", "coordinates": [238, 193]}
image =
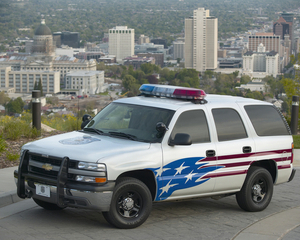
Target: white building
{"type": "Point", "coordinates": [255, 85]}
{"type": "Point", "coordinates": [85, 82]}
{"type": "Point", "coordinates": [261, 61]}
{"type": "Point", "coordinates": [23, 81]}
{"type": "Point", "coordinates": [201, 41]}
{"type": "Point", "coordinates": [121, 42]}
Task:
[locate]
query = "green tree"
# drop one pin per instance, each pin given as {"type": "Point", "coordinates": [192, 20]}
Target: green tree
{"type": "Point", "coordinates": [129, 82]}
{"type": "Point", "coordinates": [245, 79]}
{"type": "Point", "coordinates": [15, 106]}
{"type": "Point", "coordinates": [4, 98]}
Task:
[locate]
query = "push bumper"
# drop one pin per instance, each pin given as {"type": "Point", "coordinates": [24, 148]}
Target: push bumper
{"type": "Point", "coordinates": [63, 193]}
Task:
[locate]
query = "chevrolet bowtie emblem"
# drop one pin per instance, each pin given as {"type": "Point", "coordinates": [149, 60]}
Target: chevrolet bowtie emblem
{"type": "Point", "coordinates": [47, 167]}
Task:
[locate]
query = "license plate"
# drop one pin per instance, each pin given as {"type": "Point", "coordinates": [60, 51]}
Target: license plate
{"type": "Point", "coordinates": [42, 190]}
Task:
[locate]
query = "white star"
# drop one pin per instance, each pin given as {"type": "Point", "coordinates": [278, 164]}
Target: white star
{"type": "Point", "coordinates": [179, 169]}
{"type": "Point", "coordinates": [189, 176]}
{"type": "Point", "coordinates": [160, 171]}
{"type": "Point", "coordinates": [167, 187]}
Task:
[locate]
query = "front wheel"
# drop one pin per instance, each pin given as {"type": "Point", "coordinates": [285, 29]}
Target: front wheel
{"type": "Point", "coordinates": [257, 190]}
{"type": "Point", "coordinates": [131, 204]}
{"type": "Point", "coordinates": [46, 205]}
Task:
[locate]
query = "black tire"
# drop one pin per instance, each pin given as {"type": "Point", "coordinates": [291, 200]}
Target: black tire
{"type": "Point", "coordinates": [131, 204]}
{"type": "Point", "coordinates": [257, 190]}
{"type": "Point", "coordinates": [46, 205]}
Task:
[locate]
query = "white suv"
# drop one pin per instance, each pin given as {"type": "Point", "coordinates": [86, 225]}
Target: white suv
{"type": "Point", "coordinates": [169, 143]}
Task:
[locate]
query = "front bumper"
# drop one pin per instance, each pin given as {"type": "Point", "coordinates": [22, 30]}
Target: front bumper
{"type": "Point", "coordinates": [62, 192]}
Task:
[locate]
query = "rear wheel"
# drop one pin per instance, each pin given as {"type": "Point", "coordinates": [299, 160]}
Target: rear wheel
{"type": "Point", "coordinates": [257, 190]}
{"type": "Point", "coordinates": [46, 205]}
{"type": "Point", "coordinates": [131, 204]}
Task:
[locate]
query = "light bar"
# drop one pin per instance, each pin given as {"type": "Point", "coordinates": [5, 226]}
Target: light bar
{"type": "Point", "coordinates": [172, 92]}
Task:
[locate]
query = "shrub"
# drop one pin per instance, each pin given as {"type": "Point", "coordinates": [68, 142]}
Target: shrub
{"type": "Point", "coordinates": [2, 144]}
{"type": "Point", "coordinates": [12, 156]}
{"type": "Point", "coordinates": [15, 128]}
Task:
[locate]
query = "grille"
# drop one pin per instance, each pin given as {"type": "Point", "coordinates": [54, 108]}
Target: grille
{"type": "Point", "coordinates": [53, 161]}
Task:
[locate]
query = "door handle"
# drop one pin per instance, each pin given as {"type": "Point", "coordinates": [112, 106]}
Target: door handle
{"type": "Point", "coordinates": [247, 149]}
{"type": "Point", "coordinates": [210, 153]}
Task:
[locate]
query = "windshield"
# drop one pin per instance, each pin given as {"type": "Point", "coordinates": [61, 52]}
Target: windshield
{"type": "Point", "coordinates": [130, 121]}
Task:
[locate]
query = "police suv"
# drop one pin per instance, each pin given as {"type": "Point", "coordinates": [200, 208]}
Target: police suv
{"type": "Point", "coordinates": [169, 143]}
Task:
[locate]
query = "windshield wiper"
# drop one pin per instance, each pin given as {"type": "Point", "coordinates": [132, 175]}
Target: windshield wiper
{"type": "Point", "coordinates": [125, 135]}
{"type": "Point", "coordinates": [93, 130]}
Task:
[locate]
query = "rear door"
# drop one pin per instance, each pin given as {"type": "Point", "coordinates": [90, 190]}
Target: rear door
{"type": "Point", "coordinates": [235, 148]}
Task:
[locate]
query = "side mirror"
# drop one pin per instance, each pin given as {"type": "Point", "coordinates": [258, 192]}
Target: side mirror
{"type": "Point", "coordinates": [181, 139]}
{"type": "Point", "coordinates": [161, 127]}
{"type": "Point", "coordinates": [86, 118]}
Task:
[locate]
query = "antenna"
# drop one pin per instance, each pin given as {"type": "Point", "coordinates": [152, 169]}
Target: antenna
{"type": "Point", "coordinates": [77, 113]}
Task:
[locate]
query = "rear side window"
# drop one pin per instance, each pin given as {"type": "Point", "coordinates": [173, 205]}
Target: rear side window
{"type": "Point", "coordinates": [193, 123]}
{"type": "Point", "coordinates": [267, 121]}
{"type": "Point", "coordinates": [229, 124]}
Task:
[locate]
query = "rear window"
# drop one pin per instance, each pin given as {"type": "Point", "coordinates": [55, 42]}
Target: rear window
{"type": "Point", "coordinates": [267, 121]}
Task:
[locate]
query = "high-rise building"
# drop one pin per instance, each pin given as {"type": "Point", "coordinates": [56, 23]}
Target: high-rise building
{"type": "Point", "coordinates": [121, 42]}
{"type": "Point", "coordinates": [285, 26]}
{"type": "Point", "coordinates": [201, 41]}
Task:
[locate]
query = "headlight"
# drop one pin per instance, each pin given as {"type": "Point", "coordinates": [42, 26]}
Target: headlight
{"type": "Point", "coordinates": [92, 166]}
{"type": "Point", "coordinates": [89, 179]}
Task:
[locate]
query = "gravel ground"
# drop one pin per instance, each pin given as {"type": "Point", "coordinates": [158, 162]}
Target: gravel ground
{"type": "Point", "coordinates": [14, 147]}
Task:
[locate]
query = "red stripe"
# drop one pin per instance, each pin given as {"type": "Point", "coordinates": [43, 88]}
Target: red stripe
{"type": "Point", "coordinates": [238, 164]}
{"type": "Point", "coordinates": [284, 167]}
{"type": "Point", "coordinates": [246, 155]}
{"type": "Point", "coordinates": [214, 175]}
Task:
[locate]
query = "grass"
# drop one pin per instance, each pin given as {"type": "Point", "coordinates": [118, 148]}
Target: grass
{"type": "Point", "coordinates": [13, 157]}
{"type": "Point", "coordinates": [296, 141]}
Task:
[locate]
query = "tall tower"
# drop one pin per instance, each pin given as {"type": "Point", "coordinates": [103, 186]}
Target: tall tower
{"type": "Point", "coordinates": [121, 42]}
{"type": "Point", "coordinates": [201, 41]}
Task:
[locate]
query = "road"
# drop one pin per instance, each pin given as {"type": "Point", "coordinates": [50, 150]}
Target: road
{"type": "Point", "coordinates": [192, 219]}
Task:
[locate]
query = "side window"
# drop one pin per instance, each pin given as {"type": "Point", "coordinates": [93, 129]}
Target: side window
{"type": "Point", "coordinates": [193, 123]}
{"type": "Point", "coordinates": [229, 124]}
{"type": "Point", "coordinates": [266, 120]}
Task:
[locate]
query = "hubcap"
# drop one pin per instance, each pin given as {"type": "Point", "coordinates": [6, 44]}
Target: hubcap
{"type": "Point", "coordinates": [258, 191]}
{"type": "Point", "coordinates": [129, 204]}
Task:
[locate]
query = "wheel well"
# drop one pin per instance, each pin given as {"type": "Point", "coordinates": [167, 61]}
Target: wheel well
{"type": "Point", "coordinates": [270, 165]}
{"type": "Point", "coordinates": [146, 176]}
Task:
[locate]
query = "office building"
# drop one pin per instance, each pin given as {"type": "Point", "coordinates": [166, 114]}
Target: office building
{"type": "Point", "coordinates": [71, 39]}
{"type": "Point", "coordinates": [143, 39]}
{"type": "Point", "coordinates": [285, 26]}
{"type": "Point", "coordinates": [201, 41]}
{"type": "Point", "coordinates": [269, 40]}
{"type": "Point", "coordinates": [159, 41]}
{"type": "Point", "coordinates": [85, 82]}
{"type": "Point", "coordinates": [178, 50]}
{"type": "Point", "coordinates": [261, 61]}
{"type": "Point", "coordinates": [121, 42]}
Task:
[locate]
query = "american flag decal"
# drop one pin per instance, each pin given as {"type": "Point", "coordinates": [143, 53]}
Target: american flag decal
{"type": "Point", "coordinates": [180, 174]}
